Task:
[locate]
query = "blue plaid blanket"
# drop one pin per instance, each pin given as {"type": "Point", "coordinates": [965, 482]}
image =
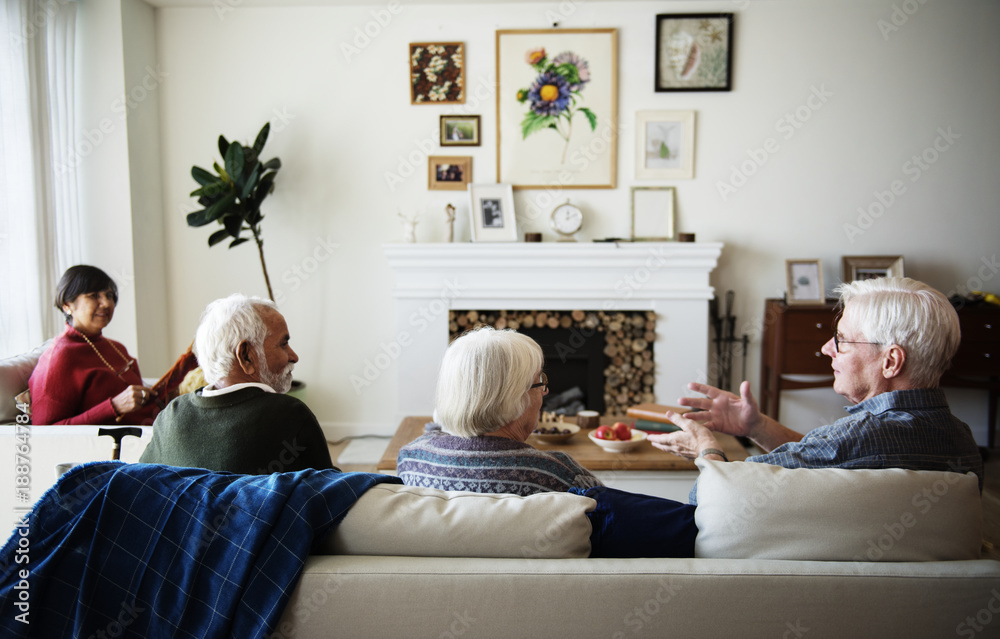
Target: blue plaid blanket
{"type": "Point", "coordinates": [143, 550]}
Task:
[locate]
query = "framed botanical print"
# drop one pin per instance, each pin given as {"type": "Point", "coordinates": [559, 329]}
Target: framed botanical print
{"type": "Point", "coordinates": [557, 108]}
{"type": "Point", "coordinates": [664, 145]}
{"type": "Point", "coordinates": [805, 282]}
{"type": "Point", "coordinates": [491, 207]}
{"type": "Point", "coordinates": [437, 73]}
{"type": "Point", "coordinates": [460, 130]}
{"type": "Point", "coordinates": [694, 52]}
{"type": "Point", "coordinates": [451, 173]}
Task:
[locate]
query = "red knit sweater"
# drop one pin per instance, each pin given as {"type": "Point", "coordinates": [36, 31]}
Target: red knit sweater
{"type": "Point", "coordinates": [71, 385]}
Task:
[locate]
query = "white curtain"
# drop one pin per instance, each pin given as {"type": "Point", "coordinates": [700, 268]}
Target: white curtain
{"type": "Point", "coordinates": [39, 215]}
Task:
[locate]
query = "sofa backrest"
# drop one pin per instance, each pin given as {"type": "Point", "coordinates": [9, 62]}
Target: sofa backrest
{"type": "Point", "coordinates": [392, 519]}
{"type": "Point", "coordinates": [14, 374]}
{"type": "Point", "coordinates": [750, 510]}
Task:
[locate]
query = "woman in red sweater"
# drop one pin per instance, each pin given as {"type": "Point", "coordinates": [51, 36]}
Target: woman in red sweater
{"type": "Point", "coordinates": [85, 378]}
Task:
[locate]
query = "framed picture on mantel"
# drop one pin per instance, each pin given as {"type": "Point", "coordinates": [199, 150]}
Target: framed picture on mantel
{"type": "Point", "coordinates": [805, 282]}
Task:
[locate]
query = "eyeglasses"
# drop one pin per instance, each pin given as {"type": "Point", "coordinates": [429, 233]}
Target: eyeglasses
{"type": "Point", "coordinates": [837, 342]}
{"type": "Point", "coordinates": [544, 382]}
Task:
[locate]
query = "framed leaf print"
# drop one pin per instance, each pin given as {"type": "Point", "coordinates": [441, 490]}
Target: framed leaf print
{"type": "Point", "coordinates": [557, 108]}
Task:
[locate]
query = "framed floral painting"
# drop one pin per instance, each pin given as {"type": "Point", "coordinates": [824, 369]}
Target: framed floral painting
{"type": "Point", "coordinates": [557, 108]}
{"type": "Point", "coordinates": [437, 73]}
{"type": "Point", "coordinates": [694, 52]}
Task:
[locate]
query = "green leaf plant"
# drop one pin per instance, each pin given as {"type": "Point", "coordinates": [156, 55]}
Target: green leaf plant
{"type": "Point", "coordinates": [233, 194]}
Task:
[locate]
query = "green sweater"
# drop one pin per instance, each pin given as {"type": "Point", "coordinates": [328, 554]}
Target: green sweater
{"type": "Point", "coordinates": [249, 431]}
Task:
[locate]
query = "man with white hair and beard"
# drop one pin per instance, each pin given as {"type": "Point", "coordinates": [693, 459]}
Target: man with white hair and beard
{"type": "Point", "coordinates": [242, 421]}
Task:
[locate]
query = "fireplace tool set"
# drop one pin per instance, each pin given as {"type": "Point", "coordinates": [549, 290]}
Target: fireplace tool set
{"type": "Point", "coordinates": [726, 342]}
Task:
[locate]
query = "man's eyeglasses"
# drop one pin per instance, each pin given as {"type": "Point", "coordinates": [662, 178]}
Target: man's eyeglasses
{"type": "Point", "coordinates": [544, 383]}
{"type": "Point", "coordinates": [837, 342]}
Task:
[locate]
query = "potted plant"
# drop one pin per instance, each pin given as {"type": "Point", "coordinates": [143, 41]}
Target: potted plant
{"type": "Point", "coordinates": [232, 196]}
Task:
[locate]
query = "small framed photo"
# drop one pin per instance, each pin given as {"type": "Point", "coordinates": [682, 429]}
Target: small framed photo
{"type": "Point", "coordinates": [460, 130]}
{"type": "Point", "coordinates": [491, 207]}
{"type": "Point", "coordinates": [805, 282]}
{"type": "Point", "coordinates": [664, 145]}
{"type": "Point", "coordinates": [652, 213]}
{"type": "Point", "coordinates": [866, 267]}
{"type": "Point", "coordinates": [449, 173]}
{"type": "Point", "coordinates": [694, 51]}
{"type": "Point", "coordinates": [437, 73]}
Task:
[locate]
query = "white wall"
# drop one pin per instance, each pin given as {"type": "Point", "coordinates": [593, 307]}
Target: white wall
{"type": "Point", "coordinates": [869, 100]}
{"type": "Point", "coordinates": [143, 78]}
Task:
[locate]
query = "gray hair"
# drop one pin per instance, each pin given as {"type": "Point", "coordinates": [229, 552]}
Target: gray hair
{"type": "Point", "coordinates": [225, 323]}
{"type": "Point", "coordinates": [903, 311]}
{"type": "Point", "coordinates": [484, 380]}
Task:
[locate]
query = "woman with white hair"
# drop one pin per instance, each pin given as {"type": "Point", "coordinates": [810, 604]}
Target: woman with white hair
{"type": "Point", "coordinates": [489, 396]}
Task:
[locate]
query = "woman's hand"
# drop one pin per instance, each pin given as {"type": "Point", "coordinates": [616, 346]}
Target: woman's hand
{"type": "Point", "coordinates": [131, 399]}
{"type": "Point", "coordinates": [688, 442]}
{"type": "Point", "coordinates": [722, 411]}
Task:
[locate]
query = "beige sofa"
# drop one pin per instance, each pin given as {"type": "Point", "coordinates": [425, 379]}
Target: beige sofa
{"type": "Point", "coordinates": [404, 564]}
{"type": "Point", "coordinates": [781, 553]}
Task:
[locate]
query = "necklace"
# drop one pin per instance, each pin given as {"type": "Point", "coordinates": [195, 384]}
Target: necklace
{"type": "Point", "coordinates": [128, 362]}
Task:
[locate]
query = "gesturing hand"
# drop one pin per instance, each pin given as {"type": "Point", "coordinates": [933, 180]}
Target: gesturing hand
{"type": "Point", "coordinates": [723, 411]}
{"type": "Point", "coordinates": [691, 439]}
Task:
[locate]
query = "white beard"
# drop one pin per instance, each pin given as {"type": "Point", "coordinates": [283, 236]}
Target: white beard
{"type": "Point", "coordinates": [280, 382]}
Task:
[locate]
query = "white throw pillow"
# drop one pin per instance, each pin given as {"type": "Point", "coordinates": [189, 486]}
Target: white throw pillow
{"type": "Point", "coordinates": [392, 519]}
{"type": "Point", "coordinates": [760, 511]}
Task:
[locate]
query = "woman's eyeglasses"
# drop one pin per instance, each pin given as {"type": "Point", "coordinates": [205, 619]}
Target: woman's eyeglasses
{"type": "Point", "coordinates": [544, 383]}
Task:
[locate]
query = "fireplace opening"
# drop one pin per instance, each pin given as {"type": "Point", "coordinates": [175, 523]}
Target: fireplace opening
{"type": "Point", "coordinates": [594, 360]}
{"type": "Point", "coordinates": [574, 363]}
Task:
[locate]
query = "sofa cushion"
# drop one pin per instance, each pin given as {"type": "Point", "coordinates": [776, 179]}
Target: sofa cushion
{"type": "Point", "coordinates": [392, 519]}
{"type": "Point", "coordinates": [14, 374]}
{"type": "Point", "coordinates": [759, 511]}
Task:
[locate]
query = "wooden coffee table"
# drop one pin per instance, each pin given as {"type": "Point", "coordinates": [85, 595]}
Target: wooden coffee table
{"type": "Point", "coordinates": [588, 454]}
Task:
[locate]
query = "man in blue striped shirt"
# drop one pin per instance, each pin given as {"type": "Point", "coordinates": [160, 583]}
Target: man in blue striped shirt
{"type": "Point", "coordinates": [894, 340]}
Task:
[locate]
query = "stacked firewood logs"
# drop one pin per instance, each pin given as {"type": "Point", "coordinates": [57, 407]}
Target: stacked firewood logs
{"type": "Point", "coordinates": [629, 375]}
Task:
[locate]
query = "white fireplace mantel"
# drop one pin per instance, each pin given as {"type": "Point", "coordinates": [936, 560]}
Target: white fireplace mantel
{"type": "Point", "coordinates": [669, 278]}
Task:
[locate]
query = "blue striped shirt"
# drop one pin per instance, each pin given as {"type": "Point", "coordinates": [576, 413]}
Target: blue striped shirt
{"type": "Point", "coordinates": [912, 429]}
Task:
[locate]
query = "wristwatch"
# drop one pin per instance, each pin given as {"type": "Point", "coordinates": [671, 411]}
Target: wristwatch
{"type": "Point", "coordinates": [713, 451]}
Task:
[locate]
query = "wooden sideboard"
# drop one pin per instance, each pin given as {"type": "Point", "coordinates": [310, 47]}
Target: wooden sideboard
{"type": "Point", "coordinates": [794, 335]}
